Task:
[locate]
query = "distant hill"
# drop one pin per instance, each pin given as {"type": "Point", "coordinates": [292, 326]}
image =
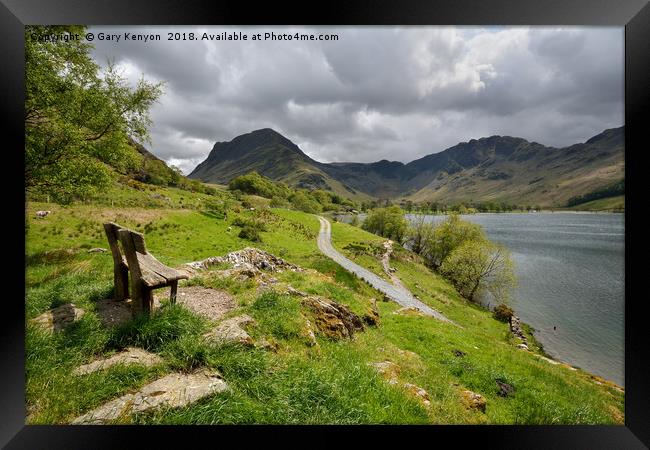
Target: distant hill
{"type": "Point", "coordinates": [495, 168]}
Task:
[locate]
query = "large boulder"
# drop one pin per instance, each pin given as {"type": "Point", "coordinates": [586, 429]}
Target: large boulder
{"type": "Point", "coordinates": [333, 319]}
{"type": "Point", "coordinates": [174, 390]}
{"type": "Point", "coordinates": [232, 331]}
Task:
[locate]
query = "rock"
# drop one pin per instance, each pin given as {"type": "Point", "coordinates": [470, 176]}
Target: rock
{"type": "Point", "coordinates": [392, 270]}
{"type": "Point", "coordinates": [248, 258]}
{"type": "Point", "coordinates": [408, 311]}
{"type": "Point", "coordinates": [522, 346]}
{"type": "Point", "coordinates": [418, 392]}
{"type": "Point", "coordinates": [292, 291]}
{"type": "Point", "coordinates": [59, 318]}
{"type": "Point", "coordinates": [97, 250]}
{"type": "Point", "coordinates": [388, 369]}
{"type": "Point", "coordinates": [42, 214]}
{"type": "Point", "coordinates": [333, 319]}
{"type": "Point", "coordinates": [505, 389]}
{"type": "Point", "coordinates": [459, 353]}
{"type": "Point", "coordinates": [515, 328]}
{"type": "Point", "coordinates": [473, 400]}
{"type": "Point", "coordinates": [231, 330]}
{"type": "Point", "coordinates": [309, 333]}
{"type": "Point", "coordinates": [264, 344]}
{"type": "Point", "coordinates": [372, 316]}
{"type": "Point", "coordinates": [131, 355]}
{"type": "Point", "coordinates": [174, 390]}
{"type": "Point", "coordinates": [408, 353]}
{"type": "Point", "coordinates": [385, 298]}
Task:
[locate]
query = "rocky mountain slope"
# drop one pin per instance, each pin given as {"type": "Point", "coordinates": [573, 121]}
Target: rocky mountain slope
{"type": "Point", "coordinates": [495, 168]}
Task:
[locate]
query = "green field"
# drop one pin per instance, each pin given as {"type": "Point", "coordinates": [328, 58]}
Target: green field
{"type": "Point", "coordinates": [331, 383]}
{"type": "Point", "coordinates": [614, 204]}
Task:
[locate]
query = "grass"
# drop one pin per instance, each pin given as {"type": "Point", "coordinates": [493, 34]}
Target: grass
{"type": "Point", "coordinates": [614, 204]}
{"type": "Point", "coordinates": [332, 382]}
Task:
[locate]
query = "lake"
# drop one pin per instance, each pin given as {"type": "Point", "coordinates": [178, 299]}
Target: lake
{"type": "Point", "coordinates": [570, 270]}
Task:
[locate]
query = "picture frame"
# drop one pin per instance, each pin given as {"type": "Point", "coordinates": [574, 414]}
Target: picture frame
{"type": "Point", "coordinates": [634, 15]}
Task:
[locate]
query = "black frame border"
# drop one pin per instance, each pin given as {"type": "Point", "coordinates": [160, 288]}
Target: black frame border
{"type": "Point", "coordinates": [634, 15]}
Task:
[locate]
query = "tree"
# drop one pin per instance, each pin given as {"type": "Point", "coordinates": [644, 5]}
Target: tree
{"type": "Point", "coordinates": [419, 235]}
{"type": "Point", "coordinates": [355, 220]}
{"type": "Point", "coordinates": [304, 202]}
{"type": "Point", "coordinates": [479, 266]}
{"type": "Point", "coordinates": [450, 234]}
{"type": "Point", "coordinates": [78, 120]}
{"type": "Point", "coordinates": [388, 222]}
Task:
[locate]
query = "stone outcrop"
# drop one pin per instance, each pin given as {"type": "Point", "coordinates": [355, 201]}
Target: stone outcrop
{"type": "Point", "coordinates": [130, 355]}
{"type": "Point", "coordinates": [472, 400]}
{"type": "Point", "coordinates": [505, 389]}
{"type": "Point", "coordinates": [173, 390]}
{"type": "Point", "coordinates": [409, 311]}
{"type": "Point", "coordinates": [248, 258]}
{"type": "Point", "coordinates": [308, 332]}
{"type": "Point", "coordinates": [388, 369]}
{"type": "Point", "coordinates": [56, 319]}
{"type": "Point", "coordinates": [515, 328]}
{"type": "Point", "coordinates": [232, 331]}
{"type": "Point", "coordinates": [391, 371]}
{"type": "Point", "coordinates": [334, 320]}
{"type": "Point", "coordinates": [418, 392]}
{"type": "Point", "coordinates": [372, 316]}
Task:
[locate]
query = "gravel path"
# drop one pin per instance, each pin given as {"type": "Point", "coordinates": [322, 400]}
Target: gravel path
{"type": "Point", "coordinates": [396, 293]}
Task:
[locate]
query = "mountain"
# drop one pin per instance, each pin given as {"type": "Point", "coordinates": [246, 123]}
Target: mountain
{"type": "Point", "coordinates": [495, 168]}
{"type": "Point", "coordinates": [272, 155]}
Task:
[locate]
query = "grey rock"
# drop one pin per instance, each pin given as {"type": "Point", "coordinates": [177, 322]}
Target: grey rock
{"type": "Point", "coordinates": [173, 390]}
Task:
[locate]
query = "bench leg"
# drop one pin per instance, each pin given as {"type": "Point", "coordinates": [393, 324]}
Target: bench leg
{"type": "Point", "coordinates": [121, 282]}
{"type": "Point", "coordinates": [141, 298]}
{"type": "Point", "coordinates": [172, 295]}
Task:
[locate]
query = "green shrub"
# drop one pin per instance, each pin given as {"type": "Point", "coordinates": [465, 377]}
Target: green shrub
{"type": "Point", "coordinates": [503, 313]}
{"type": "Point", "coordinates": [250, 233]}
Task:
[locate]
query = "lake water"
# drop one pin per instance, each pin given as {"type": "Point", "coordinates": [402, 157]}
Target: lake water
{"type": "Point", "coordinates": [570, 270]}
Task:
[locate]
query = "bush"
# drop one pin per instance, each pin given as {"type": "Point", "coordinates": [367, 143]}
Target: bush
{"type": "Point", "coordinates": [387, 222]}
{"type": "Point", "coordinates": [503, 313]}
{"type": "Point", "coordinates": [305, 203]}
{"type": "Point", "coordinates": [479, 266]}
{"type": "Point", "coordinates": [254, 183]}
{"type": "Point", "coordinates": [251, 233]}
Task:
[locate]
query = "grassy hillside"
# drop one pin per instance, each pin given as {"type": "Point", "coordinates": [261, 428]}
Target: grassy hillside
{"type": "Point", "coordinates": [614, 204]}
{"type": "Point", "coordinates": [332, 382]}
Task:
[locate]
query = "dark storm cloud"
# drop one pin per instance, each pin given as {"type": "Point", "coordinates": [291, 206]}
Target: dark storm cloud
{"type": "Point", "coordinates": [377, 92]}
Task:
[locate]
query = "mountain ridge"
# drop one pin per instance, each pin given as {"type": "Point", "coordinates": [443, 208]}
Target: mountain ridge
{"type": "Point", "coordinates": [493, 168]}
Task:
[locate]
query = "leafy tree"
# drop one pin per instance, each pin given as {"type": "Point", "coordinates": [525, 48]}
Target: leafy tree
{"type": "Point", "coordinates": [304, 202]}
{"type": "Point", "coordinates": [256, 184]}
{"type": "Point", "coordinates": [479, 266]}
{"type": "Point", "coordinates": [78, 120]}
{"type": "Point", "coordinates": [419, 235]}
{"type": "Point", "coordinates": [388, 222]}
{"type": "Point", "coordinates": [447, 236]}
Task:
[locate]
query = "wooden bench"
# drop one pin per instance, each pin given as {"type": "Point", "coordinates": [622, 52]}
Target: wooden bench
{"type": "Point", "coordinates": [147, 273]}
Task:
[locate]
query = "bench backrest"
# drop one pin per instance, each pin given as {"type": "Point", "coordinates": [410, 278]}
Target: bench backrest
{"type": "Point", "coordinates": [111, 230]}
{"type": "Point", "coordinates": [132, 242]}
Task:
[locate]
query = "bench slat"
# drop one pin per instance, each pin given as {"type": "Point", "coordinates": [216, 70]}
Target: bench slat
{"type": "Point", "coordinates": [154, 272]}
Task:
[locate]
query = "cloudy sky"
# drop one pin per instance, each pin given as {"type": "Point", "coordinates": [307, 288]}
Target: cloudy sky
{"type": "Point", "coordinates": [376, 92]}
